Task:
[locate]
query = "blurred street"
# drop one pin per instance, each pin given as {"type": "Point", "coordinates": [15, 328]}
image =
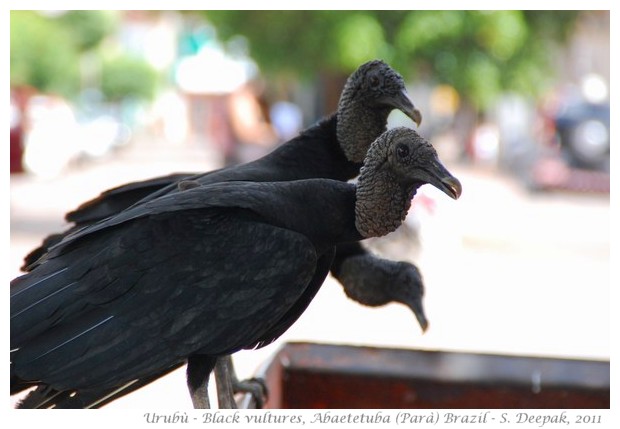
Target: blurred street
{"type": "Point", "coordinates": [506, 271]}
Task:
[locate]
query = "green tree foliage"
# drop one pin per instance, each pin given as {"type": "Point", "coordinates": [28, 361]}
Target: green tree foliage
{"type": "Point", "coordinates": [43, 54]}
{"type": "Point", "coordinates": [302, 42]}
{"type": "Point", "coordinates": [46, 50]}
{"type": "Point", "coordinates": [87, 27]}
{"type": "Point", "coordinates": [125, 76]}
{"type": "Point", "coordinates": [480, 53]}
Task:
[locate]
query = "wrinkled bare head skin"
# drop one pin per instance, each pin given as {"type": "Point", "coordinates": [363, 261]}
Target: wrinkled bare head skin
{"type": "Point", "coordinates": [397, 164]}
{"type": "Point", "coordinates": [368, 97]}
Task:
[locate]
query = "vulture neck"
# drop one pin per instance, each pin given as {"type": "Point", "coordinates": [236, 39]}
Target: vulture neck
{"type": "Point", "coordinates": [381, 203]}
{"type": "Point", "coordinates": [358, 126]}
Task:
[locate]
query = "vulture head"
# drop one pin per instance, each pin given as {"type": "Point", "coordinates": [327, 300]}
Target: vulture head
{"type": "Point", "coordinates": [369, 96]}
{"type": "Point", "coordinates": [397, 164]}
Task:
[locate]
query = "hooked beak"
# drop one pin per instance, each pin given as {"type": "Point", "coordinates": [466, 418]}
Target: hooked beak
{"type": "Point", "coordinates": [440, 177]}
{"type": "Point", "coordinates": [415, 304]}
{"type": "Point", "coordinates": [402, 102]}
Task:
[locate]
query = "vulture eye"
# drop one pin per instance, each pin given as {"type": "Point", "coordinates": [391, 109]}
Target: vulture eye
{"type": "Point", "coordinates": [402, 151]}
{"type": "Point", "coordinates": [374, 81]}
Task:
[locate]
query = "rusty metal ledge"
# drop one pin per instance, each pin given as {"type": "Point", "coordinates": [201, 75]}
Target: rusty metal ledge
{"type": "Point", "coordinates": [308, 375]}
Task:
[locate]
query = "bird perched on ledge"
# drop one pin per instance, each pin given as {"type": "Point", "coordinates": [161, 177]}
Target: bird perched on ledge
{"type": "Point", "coordinates": [206, 272]}
{"type": "Point", "coordinates": [333, 149]}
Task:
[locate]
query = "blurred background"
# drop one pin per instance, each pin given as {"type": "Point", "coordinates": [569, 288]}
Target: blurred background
{"type": "Point", "coordinates": [516, 103]}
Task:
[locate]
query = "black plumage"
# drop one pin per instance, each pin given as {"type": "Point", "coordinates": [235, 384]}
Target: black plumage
{"type": "Point", "coordinates": [203, 272]}
{"type": "Point", "coordinates": [367, 99]}
{"type": "Point", "coordinates": [333, 148]}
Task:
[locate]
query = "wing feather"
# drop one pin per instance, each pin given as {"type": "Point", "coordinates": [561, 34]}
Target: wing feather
{"type": "Point", "coordinates": [207, 279]}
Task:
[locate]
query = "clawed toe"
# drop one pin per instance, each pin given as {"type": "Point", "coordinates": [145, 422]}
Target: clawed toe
{"type": "Point", "coordinates": [254, 386]}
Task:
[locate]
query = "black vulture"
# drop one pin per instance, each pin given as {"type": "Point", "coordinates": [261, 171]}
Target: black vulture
{"type": "Point", "coordinates": [333, 148]}
{"type": "Point", "coordinates": [206, 272]}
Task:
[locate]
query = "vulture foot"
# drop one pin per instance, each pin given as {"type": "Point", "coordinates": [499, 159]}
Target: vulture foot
{"type": "Point", "coordinates": [255, 387]}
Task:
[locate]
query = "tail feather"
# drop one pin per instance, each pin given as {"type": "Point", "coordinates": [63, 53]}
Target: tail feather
{"type": "Point", "coordinates": [42, 397]}
{"type": "Point", "coordinates": [18, 385]}
{"type": "Point", "coordinates": [31, 258]}
{"type": "Point", "coordinates": [46, 397]}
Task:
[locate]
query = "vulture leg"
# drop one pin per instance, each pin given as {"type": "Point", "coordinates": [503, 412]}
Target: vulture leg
{"type": "Point", "coordinates": [254, 386]}
{"type": "Point", "coordinates": [223, 379]}
{"type": "Point", "coordinates": [199, 369]}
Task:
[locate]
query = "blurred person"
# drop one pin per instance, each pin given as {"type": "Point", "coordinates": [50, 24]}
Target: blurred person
{"type": "Point", "coordinates": [17, 134]}
{"type": "Point", "coordinates": [51, 137]}
{"type": "Point", "coordinates": [287, 119]}
{"type": "Point", "coordinates": [253, 133]}
{"type": "Point", "coordinates": [171, 116]}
